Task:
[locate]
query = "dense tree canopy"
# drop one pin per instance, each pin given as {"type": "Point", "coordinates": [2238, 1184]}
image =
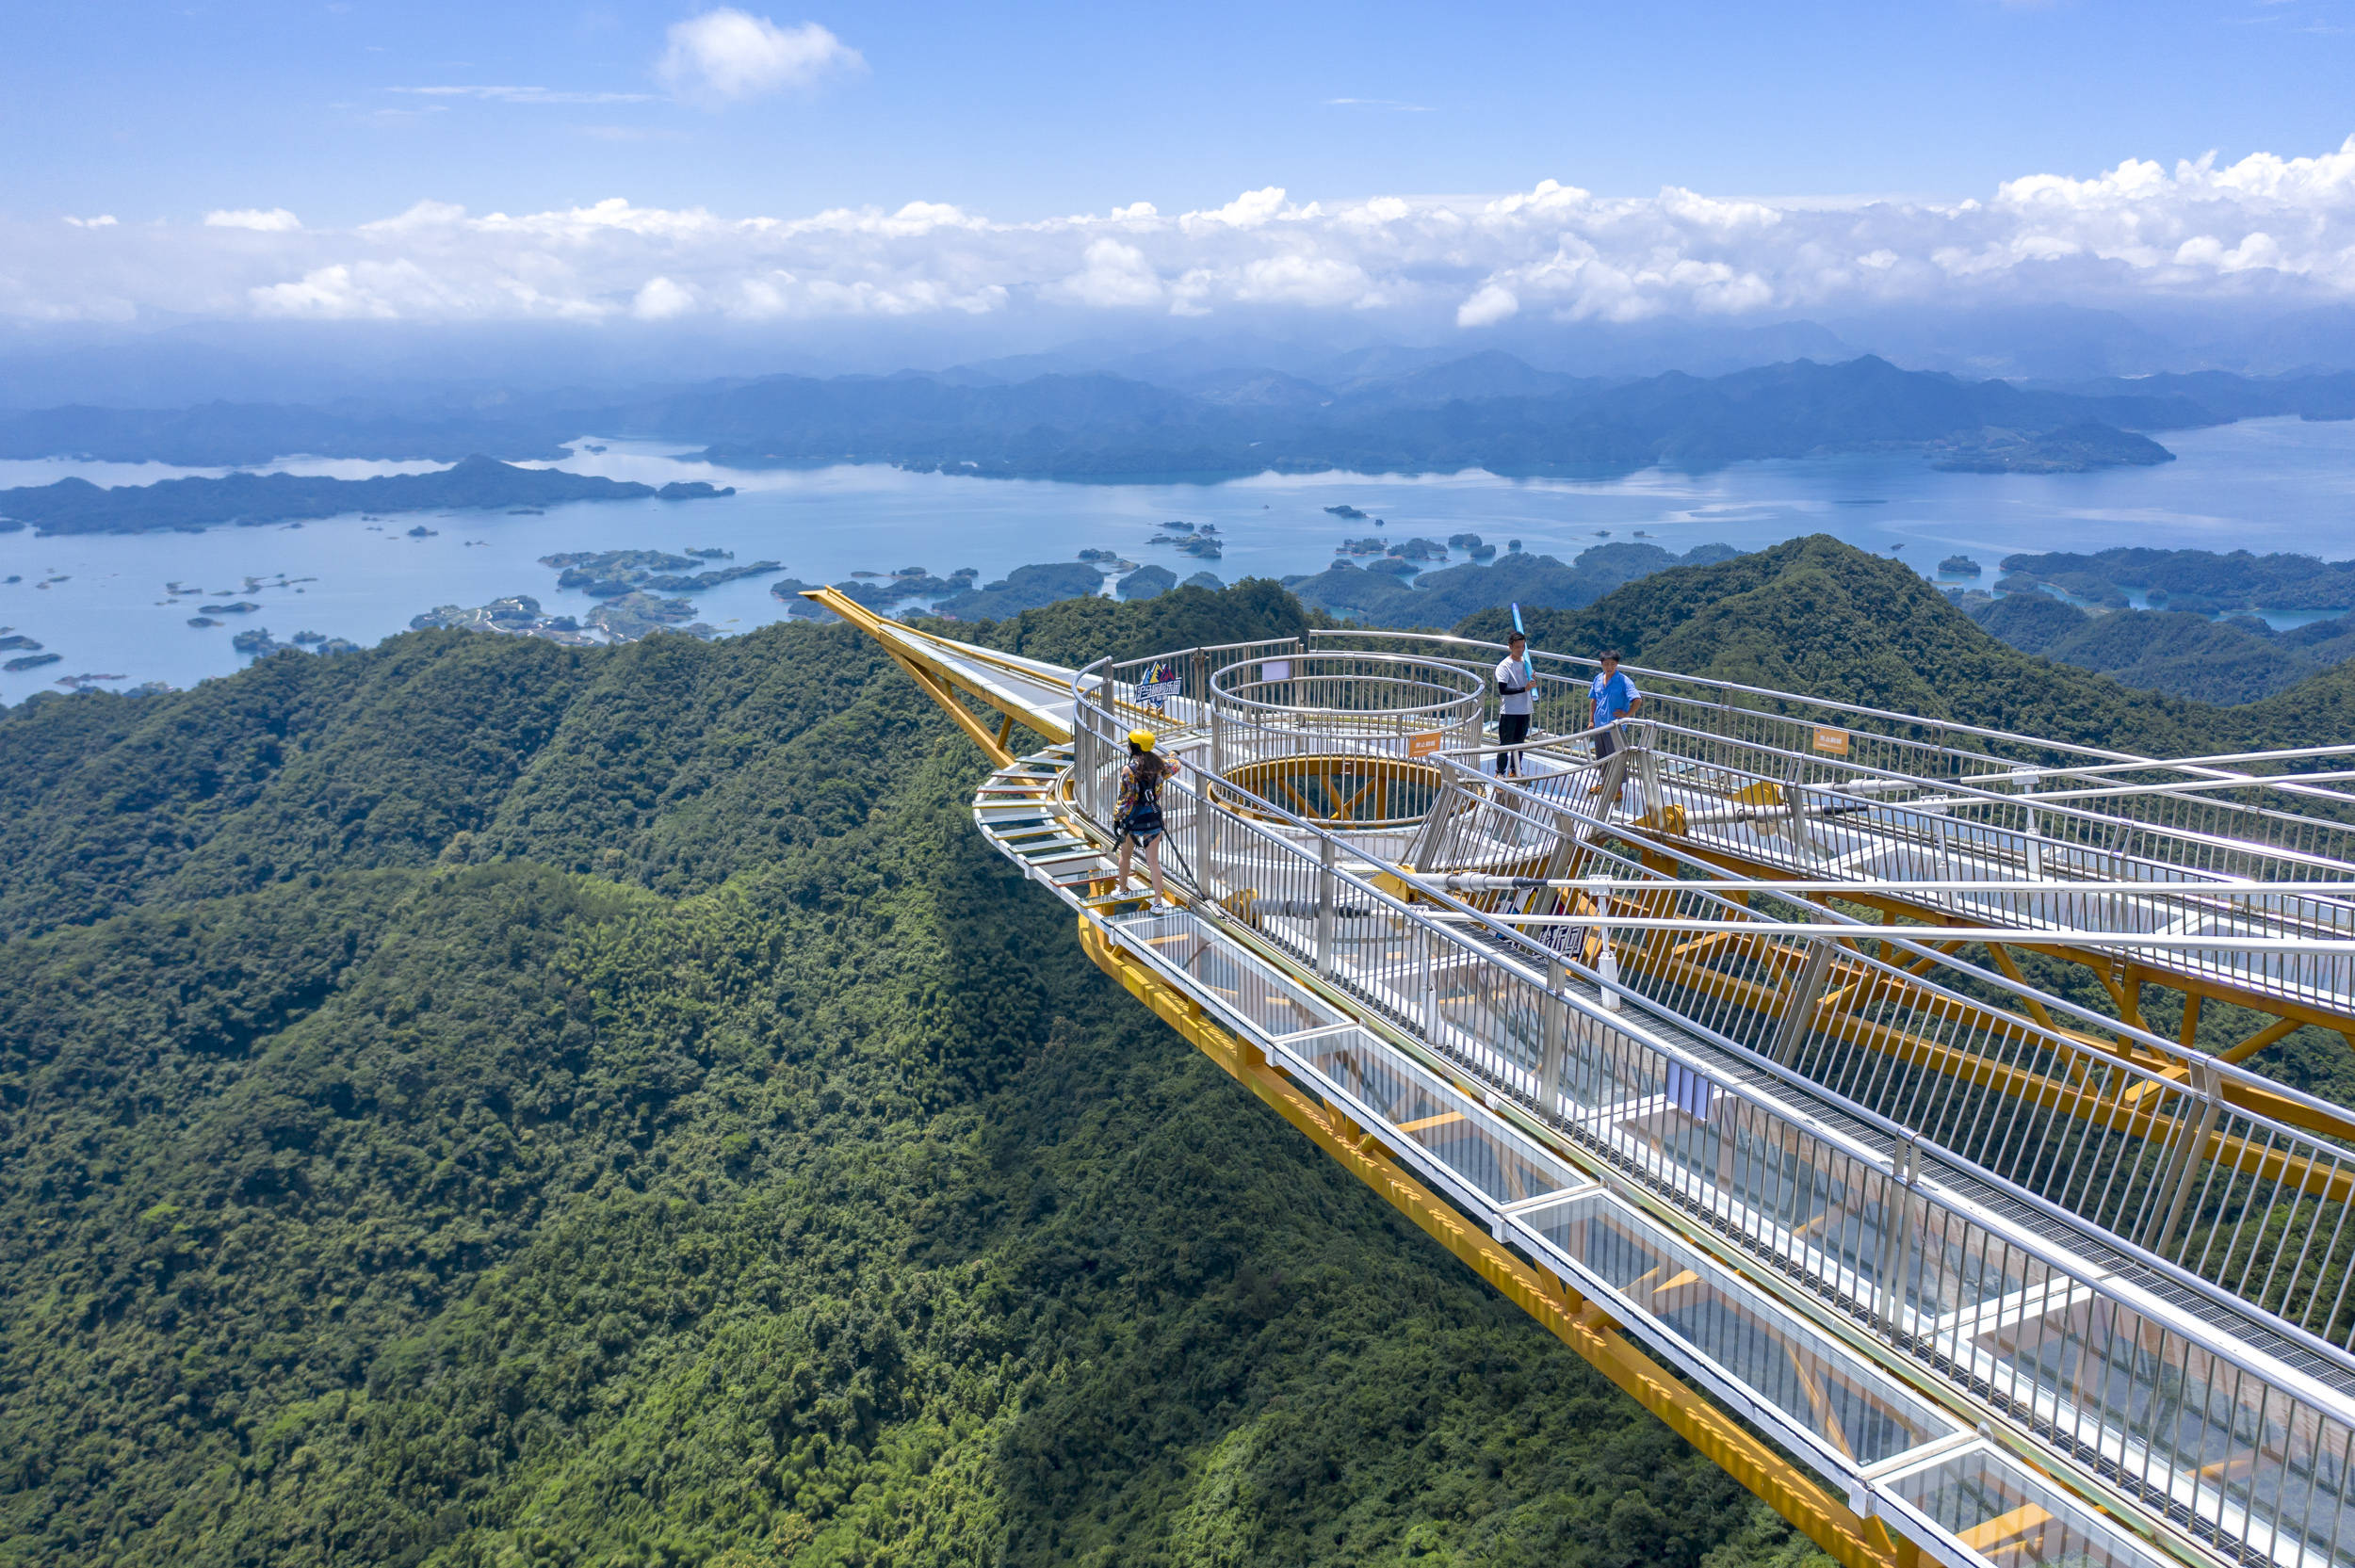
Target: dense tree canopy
{"type": "Point", "coordinates": [475, 1102]}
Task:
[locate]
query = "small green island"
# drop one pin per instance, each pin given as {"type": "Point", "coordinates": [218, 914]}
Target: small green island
{"type": "Point", "coordinates": [2075, 449]}
{"type": "Point", "coordinates": [78, 507]}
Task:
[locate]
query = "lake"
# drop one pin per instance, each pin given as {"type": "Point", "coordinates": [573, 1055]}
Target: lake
{"type": "Point", "coordinates": [2261, 485]}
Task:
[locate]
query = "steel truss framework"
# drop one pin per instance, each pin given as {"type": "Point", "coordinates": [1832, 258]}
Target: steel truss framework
{"type": "Point", "coordinates": [1685, 1044]}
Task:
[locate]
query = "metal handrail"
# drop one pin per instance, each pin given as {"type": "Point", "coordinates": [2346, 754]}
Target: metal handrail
{"type": "Point", "coordinates": [1867, 1164]}
{"type": "Point", "coordinates": [1501, 929]}
{"type": "Point", "coordinates": [2295, 1463]}
{"type": "Point", "coordinates": [2288, 784]}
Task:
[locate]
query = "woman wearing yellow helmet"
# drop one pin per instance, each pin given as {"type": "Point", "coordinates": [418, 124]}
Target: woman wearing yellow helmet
{"type": "Point", "coordinates": [1139, 819]}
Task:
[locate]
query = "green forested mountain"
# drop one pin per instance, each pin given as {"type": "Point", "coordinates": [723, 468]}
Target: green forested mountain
{"type": "Point", "coordinates": [1818, 616]}
{"type": "Point", "coordinates": [477, 1101]}
{"type": "Point", "coordinates": [2237, 659]}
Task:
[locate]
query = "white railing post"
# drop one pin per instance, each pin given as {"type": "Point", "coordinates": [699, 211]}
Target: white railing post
{"type": "Point", "coordinates": [1218, 738]}
{"type": "Point", "coordinates": [1324, 904]}
{"type": "Point", "coordinates": [1647, 764]}
{"type": "Point", "coordinates": [1556, 1027]}
{"type": "Point", "coordinates": [1204, 882]}
{"type": "Point", "coordinates": [1430, 991]}
{"type": "Point", "coordinates": [2033, 845]}
{"type": "Point", "coordinates": [1795, 796]}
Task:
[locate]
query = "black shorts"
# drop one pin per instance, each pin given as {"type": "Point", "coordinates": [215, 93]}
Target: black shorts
{"type": "Point", "coordinates": [1607, 741]}
{"type": "Point", "coordinates": [1512, 729]}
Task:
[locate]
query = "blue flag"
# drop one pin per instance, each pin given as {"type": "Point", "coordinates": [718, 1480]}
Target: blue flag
{"type": "Point", "coordinates": [1517, 622]}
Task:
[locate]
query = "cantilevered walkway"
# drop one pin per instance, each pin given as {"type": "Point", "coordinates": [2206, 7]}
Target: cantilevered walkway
{"type": "Point", "coordinates": [1717, 1056]}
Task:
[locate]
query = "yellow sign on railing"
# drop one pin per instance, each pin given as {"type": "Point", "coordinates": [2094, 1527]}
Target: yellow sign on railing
{"type": "Point", "coordinates": [1832, 742]}
{"type": "Point", "coordinates": [1422, 745]}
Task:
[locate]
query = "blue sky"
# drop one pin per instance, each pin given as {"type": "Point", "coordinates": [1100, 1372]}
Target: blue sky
{"type": "Point", "coordinates": [165, 111]}
{"type": "Point", "coordinates": [1418, 170]}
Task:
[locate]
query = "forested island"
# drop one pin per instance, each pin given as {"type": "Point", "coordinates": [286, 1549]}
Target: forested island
{"type": "Point", "coordinates": [77, 506]}
{"type": "Point", "coordinates": [1446, 595]}
{"type": "Point", "coordinates": [477, 1101]}
{"type": "Point", "coordinates": [2201, 581]}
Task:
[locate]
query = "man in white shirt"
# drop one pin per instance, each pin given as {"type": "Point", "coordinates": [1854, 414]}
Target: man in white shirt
{"type": "Point", "coordinates": [1517, 683]}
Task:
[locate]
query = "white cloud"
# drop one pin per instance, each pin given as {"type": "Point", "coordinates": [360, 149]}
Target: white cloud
{"type": "Point", "coordinates": [1489, 304]}
{"type": "Point", "coordinates": [274, 220]}
{"type": "Point", "coordinates": [103, 221]}
{"type": "Point", "coordinates": [1116, 276]}
{"type": "Point", "coordinates": [1250, 210]}
{"type": "Point", "coordinates": [661, 299]}
{"type": "Point", "coordinates": [2263, 227]}
{"type": "Point", "coordinates": [727, 55]}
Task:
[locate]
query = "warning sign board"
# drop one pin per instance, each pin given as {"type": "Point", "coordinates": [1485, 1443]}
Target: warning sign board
{"type": "Point", "coordinates": [1832, 742]}
{"type": "Point", "coordinates": [1424, 744]}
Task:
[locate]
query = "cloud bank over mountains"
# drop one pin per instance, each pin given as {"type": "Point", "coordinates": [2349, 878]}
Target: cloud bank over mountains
{"type": "Point", "coordinates": [2265, 228]}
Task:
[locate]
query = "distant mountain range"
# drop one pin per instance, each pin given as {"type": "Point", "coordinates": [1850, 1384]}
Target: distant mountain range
{"type": "Point", "coordinates": [1489, 412]}
{"type": "Point", "coordinates": [1394, 411]}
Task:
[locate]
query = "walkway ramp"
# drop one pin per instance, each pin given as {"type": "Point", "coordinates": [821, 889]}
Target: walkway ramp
{"type": "Point", "coordinates": [1936, 1262]}
{"type": "Point", "coordinates": [1028, 692]}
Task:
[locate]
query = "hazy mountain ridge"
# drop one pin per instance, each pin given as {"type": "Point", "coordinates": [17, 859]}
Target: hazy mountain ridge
{"type": "Point", "coordinates": [1103, 427]}
{"type": "Point", "coordinates": [1380, 410]}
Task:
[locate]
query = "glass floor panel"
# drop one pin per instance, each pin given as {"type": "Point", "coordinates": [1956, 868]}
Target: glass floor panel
{"type": "Point", "coordinates": [2003, 1512]}
{"type": "Point", "coordinates": [1838, 1394]}
{"type": "Point", "coordinates": [1237, 980]}
{"type": "Point", "coordinates": [1458, 1131]}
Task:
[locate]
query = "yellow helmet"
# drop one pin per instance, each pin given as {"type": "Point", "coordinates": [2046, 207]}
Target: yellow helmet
{"type": "Point", "coordinates": [1142, 739]}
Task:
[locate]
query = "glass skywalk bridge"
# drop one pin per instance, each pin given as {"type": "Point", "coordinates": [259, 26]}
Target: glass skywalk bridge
{"type": "Point", "coordinates": [1996, 1279]}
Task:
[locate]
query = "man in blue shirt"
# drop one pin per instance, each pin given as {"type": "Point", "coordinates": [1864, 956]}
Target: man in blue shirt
{"type": "Point", "coordinates": [1615, 698]}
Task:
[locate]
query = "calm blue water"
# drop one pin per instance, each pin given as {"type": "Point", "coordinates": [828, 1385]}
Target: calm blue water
{"type": "Point", "coordinates": [2261, 486]}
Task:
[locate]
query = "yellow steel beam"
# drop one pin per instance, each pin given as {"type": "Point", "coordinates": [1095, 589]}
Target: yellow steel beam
{"type": "Point", "coordinates": [2010, 967]}
{"type": "Point", "coordinates": [905, 645]}
{"type": "Point", "coordinates": [942, 694]}
{"type": "Point", "coordinates": [2251, 1097]}
{"type": "Point", "coordinates": [1578, 1322]}
{"type": "Point", "coordinates": [1882, 897]}
{"type": "Point", "coordinates": [2109, 1107]}
{"type": "Point", "coordinates": [2257, 1041]}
